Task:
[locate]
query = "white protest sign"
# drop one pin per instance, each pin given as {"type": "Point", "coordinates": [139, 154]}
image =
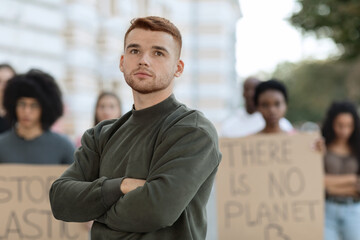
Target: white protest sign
{"type": "Point", "coordinates": [270, 187]}
{"type": "Point", "coordinates": [25, 207]}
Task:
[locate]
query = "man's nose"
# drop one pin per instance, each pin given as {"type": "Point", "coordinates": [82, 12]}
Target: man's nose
{"type": "Point", "coordinates": [144, 60]}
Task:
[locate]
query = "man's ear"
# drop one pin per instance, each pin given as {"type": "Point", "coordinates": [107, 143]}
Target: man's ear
{"type": "Point", "coordinates": [121, 63]}
{"type": "Point", "coordinates": [179, 68]}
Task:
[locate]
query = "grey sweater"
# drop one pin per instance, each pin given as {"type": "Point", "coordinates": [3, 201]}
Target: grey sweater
{"type": "Point", "coordinates": [175, 149]}
{"type": "Point", "coordinates": [48, 148]}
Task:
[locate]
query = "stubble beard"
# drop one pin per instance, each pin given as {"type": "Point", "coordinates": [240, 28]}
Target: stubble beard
{"type": "Point", "coordinates": [147, 86]}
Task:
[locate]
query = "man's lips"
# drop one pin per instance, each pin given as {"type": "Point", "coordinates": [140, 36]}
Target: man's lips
{"type": "Point", "coordinates": [142, 74]}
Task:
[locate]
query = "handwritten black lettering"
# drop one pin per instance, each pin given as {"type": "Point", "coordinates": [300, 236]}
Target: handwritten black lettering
{"type": "Point", "coordinates": [275, 232]}
{"type": "Point", "coordinates": [290, 182]}
{"type": "Point", "coordinates": [260, 153]}
{"type": "Point", "coordinates": [238, 184]}
{"type": "Point", "coordinates": [286, 150]}
{"type": "Point", "coordinates": [19, 180]}
{"type": "Point", "coordinates": [304, 210]}
{"type": "Point", "coordinates": [247, 154]}
{"type": "Point", "coordinates": [229, 149]}
{"type": "Point", "coordinates": [5, 194]}
{"type": "Point", "coordinates": [12, 226]}
{"type": "Point", "coordinates": [266, 213]}
{"type": "Point", "coordinates": [28, 220]}
{"type": "Point", "coordinates": [232, 209]}
{"type": "Point", "coordinates": [295, 181]}
{"type": "Point", "coordinates": [33, 183]}
{"type": "Point", "coordinates": [65, 232]}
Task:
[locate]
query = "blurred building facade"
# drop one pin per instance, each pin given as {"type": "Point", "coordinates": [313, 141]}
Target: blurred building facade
{"type": "Point", "coordinates": [80, 43]}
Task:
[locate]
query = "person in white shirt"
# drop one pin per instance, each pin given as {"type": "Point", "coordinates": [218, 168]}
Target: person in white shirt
{"type": "Point", "coordinates": [248, 121]}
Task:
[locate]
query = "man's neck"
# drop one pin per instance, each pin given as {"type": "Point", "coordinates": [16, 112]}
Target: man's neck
{"type": "Point", "coordinates": [29, 133]}
{"type": "Point", "coordinates": [142, 101]}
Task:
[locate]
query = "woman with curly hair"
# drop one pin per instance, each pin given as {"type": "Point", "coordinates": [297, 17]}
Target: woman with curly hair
{"type": "Point", "coordinates": [6, 72]}
{"type": "Point", "coordinates": [33, 103]}
{"type": "Point", "coordinates": [341, 131]}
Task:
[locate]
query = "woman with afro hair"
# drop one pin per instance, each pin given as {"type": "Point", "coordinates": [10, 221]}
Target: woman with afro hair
{"type": "Point", "coordinates": [6, 72]}
{"type": "Point", "coordinates": [33, 103]}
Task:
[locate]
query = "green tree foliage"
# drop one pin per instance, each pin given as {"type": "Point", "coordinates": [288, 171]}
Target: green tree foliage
{"type": "Point", "coordinates": [313, 85]}
{"type": "Point", "coordinates": [337, 19]}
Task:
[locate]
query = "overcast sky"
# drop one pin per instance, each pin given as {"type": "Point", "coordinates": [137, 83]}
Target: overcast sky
{"type": "Point", "coordinates": [265, 38]}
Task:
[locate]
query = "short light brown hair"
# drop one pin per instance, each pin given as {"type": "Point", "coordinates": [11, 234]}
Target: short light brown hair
{"type": "Point", "coordinates": [154, 23]}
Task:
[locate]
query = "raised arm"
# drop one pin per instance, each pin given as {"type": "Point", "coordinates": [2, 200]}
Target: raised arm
{"type": "Point", "coordinates": [183, 165]}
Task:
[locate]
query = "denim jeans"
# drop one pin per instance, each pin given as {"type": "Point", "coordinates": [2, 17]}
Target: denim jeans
{"type": "Point", "coordinates": [342, 221]}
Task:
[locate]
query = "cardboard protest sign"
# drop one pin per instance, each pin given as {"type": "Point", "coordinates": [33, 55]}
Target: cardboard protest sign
{"type": "Point", "coordinates": [270, 187]}
{"type": "Point", "coordinates": [25, 208]}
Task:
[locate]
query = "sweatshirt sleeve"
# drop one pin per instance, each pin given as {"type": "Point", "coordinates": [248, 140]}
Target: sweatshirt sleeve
{"type": "Point", "coordinates": [81, 186]}
{"type": "Point", "coordinates": [182, 162]}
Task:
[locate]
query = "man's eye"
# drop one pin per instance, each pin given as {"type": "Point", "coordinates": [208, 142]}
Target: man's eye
{"type": "Point", "coordinates": [157, 53]}
{"type": "Point", "coordinates": [134, 51]}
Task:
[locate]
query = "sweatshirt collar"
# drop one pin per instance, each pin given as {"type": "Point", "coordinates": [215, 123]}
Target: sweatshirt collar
{"type": "Point", "coordinates": [157, 111]}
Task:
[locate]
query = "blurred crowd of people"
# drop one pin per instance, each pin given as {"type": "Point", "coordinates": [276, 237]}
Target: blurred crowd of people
{"type": "Point", "coordinates": [31, 102]}
{"type": "Point", "coordinates": [265, 109]}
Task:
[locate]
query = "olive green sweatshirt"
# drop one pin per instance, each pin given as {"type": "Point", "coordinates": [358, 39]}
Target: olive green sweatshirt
{"type": "Point", "coordinates": [173, 148]}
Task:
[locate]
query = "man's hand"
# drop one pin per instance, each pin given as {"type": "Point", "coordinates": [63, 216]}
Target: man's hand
{"type": "Point", "coordinates": [129, 184]}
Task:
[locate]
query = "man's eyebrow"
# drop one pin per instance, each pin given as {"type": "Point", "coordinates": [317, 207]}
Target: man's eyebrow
{"type": "Point", "coordinates": [160, 48]}
{"type": "Point", "coordinates": [133, 45]}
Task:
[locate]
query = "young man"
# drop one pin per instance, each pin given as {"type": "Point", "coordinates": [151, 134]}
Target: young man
{"type": "Point", "coordinates": [33, 103]}
{"type": "Point", "coordinates": [147, 175]}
